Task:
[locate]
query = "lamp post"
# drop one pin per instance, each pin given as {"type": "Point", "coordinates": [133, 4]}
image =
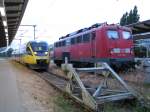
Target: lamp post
{"type": "Point", "coordinates": [33, 29]}
{"type": "Point", "coordinates": [19, 44]}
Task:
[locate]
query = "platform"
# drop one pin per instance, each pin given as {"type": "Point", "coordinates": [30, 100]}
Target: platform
{"type": "Point", "coordinates": [9, 98]}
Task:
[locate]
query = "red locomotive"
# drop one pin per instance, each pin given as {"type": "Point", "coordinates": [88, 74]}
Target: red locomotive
{"type": "Point", "coordinates": [100, 42]}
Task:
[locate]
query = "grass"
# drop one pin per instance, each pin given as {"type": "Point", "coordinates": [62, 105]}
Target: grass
{"type": "Point", "coordinates": [125, 107]}
{"type": "Point", "coordinates": [65, 105]}
{"type": "Point", "coordinates": [146, 85]}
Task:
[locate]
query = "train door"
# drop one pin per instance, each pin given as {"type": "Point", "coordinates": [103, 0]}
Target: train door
{"type": "Point", "coordinates": [113, 45]}
{"type": "Point", "coordinates": [93, 45]}
{"type": "Point", "coordinates": [28, 57]}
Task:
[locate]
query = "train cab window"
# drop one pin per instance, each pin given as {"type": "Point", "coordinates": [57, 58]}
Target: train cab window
{"type": "Point", "coordinates": [93, 35]}
{"type": "Point", "coordinates": [28, 51]}
{"type": "Point", "coordinates": [79, 39]}
{"type": "Point", "coordinates": [126, 35]}
{"type": "Point", "coordinates": [112, 34]}
{"type": "Point", "coordinates": [73, 41]}
{"type": "Point", "coordinates": [86, 37]}
{"type": "Point", "coordinates": [39, 46]}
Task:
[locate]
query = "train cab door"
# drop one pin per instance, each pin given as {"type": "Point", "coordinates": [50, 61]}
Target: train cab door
{"type": "Point", "coordinates": [93, 45]}
{"type": "Point", "coordinates": [28, 58]}
{"type": "Point", "coordinates": [113, 42]}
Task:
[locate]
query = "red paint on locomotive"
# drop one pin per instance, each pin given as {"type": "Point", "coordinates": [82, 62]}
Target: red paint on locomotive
{"type": "Point", "coordinates": [109, 43]}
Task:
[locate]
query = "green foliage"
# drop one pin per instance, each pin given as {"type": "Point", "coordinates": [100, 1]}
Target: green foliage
{"type": "Point", "coordinates": [129, 18]}
{"type": "Point", "coordinates": [124, 19]}
{"type": "Point", "coordinates": [125, 107]}
{"type": "Point", "coordinates": [135, 14]}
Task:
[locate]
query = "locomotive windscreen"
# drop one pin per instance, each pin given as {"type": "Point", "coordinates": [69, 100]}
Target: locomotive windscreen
{"type": "Point", "coordinates": [126, 35]}
{"type": "Point", "coordinates": [39, 46]}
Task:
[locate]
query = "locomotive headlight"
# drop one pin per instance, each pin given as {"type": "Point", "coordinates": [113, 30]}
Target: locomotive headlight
{"type": "Point", "coordinates": [35, 53]}
{"type": "Point", "coordinates": [115, 50]}
{"type": "Point", "coordinates": [46, 53]}
{"type": "Point", "coordinates": [127, 50]}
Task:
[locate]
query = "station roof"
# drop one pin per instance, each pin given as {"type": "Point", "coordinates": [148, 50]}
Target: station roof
{"type": "Point", "coordinates": [11, 13]}
{"type": "Point", "coordinates": [140, 30]}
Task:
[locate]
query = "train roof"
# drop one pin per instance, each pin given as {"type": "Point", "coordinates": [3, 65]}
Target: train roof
{"type": "Point", "coordinates": [92, 28]}
{"type": "Point", "coordinates": [36, 41]}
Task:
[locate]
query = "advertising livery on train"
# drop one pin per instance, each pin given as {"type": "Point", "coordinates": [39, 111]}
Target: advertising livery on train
{"type": "Point", "coordinates": [99, 43]}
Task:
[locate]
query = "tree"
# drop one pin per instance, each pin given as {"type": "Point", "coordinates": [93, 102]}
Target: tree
{"type": "Point", "coordinates": [135, 15]}
{"type": "Point", "coordinates": [129, 18]}
{"type": "Point", "coordinates": [123, 19]}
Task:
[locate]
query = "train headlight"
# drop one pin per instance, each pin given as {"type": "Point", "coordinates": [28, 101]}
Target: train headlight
{"type": "Point", "coordinates": [35, 53]}
{"type": "Point", "coordinates": [46, 53]}
{"type": "Point", "coordinates": [127, 50]}
{"type": "Point", "coordinates": [115, 50]}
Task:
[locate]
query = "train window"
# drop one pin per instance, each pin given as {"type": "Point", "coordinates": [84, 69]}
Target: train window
{"type": "Point", "coordinates": [64, 43]}
{"type": "Point", "coordinates": [126, 35]}
{"type": "Point", "coordinates": [28, 51]}
{"type": "Point", "coordinates": [68, 42]}
{"type": "Point", "coordinates": [93, 35]}
{"type": "Point", "coordinates": [112, 34]}
{"type": "Point", "coordinates": [39, 46]}
{"type": "Point", "coordinates": [86, 37]}
{"type": "Point", "coordinates": [73, 40]}
{"type": "Point", "coordinates": [79, 39]}
{"type": "Point", "coordinates": [59, 44]}
{"type": "Point", "coordinates": [55, 44]}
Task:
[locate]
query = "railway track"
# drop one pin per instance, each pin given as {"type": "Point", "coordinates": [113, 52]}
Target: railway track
{"type": "Point", "coordinates": [53, 79]}
{"type": "Point", "coordinates": [59, 83]}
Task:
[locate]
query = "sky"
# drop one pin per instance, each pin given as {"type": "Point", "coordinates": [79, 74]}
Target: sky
{"type": "Point", "coordinates": [56, 18]}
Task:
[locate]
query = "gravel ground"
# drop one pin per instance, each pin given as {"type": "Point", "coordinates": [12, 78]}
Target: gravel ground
{"type": "Point", "coordinates": [35, 94]}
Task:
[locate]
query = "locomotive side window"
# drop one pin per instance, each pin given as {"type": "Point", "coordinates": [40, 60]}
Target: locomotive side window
{"type": "Point", "coordinates": [126, 35]}
{"type": "Point", "coordinates": [112, 34]}
{"type": "Point", "coordinates": [59, 44]}
{"type": "Point", "coordinates": [68, 42]}
{"type": "Point", "coordinates": [86, 37]}
{"type": "Point", "coordinates": [73, 41]}
{"type": "Point", "coordinates": [64, 43]}
{"type": "Point", "coordinates": [56, 44]}
{"type": "Point", "coordinates": [79, 39]}
{"type": "Point", "coordinates": [93, 35]}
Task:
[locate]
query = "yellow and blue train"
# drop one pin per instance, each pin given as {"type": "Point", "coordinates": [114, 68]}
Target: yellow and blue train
{"type": "Point", "coordinates": [33, 54]}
